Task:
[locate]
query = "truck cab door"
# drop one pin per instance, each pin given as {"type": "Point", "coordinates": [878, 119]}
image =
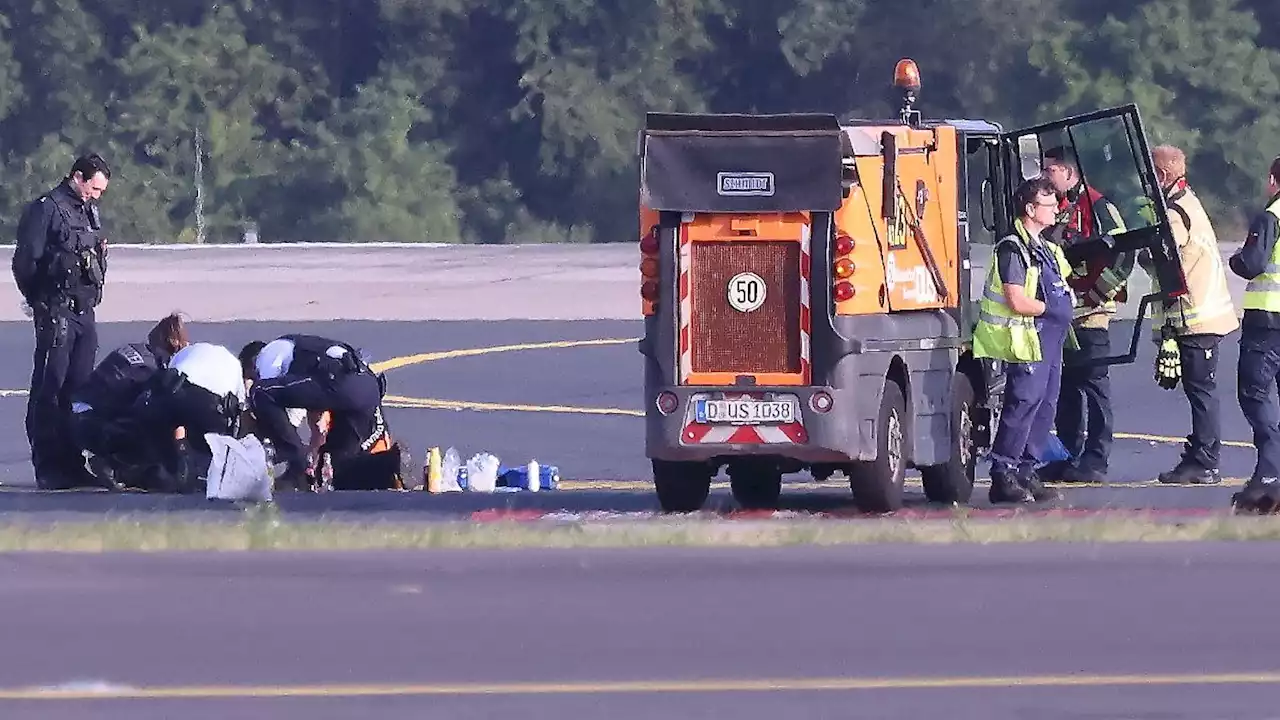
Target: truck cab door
{"type": "Point", "coordinates": [1110, 150]}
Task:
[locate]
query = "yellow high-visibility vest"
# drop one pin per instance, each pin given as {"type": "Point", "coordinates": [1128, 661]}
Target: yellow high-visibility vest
{"type": "Point", "coordinates": [1001, 333]}
{"type": "Point", "coordinates": [1263, 292]}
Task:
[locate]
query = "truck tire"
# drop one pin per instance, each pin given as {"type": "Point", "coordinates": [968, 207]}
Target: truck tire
{"type": "Point", "coordinates": [952, 481]}
{"type": "Point", "coordinates": [755, 486]}
{"type": "Point", "coordinates": [877, 485]}
{"type": "Point", "coordinates": [682, 487]}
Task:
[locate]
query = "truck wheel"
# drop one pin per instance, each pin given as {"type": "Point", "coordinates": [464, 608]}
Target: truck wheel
{"type": "Point", "coordinates": [952, 481]}
{"type": "Point", "coordinates": [755, 487]}
{"type": "Point", "coordinates": [682, 486]}
{"type": "Point", "coordinates": [877, 485]}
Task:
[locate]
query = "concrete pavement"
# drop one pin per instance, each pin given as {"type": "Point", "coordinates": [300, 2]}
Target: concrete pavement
{"type": "Point", "coordinates": [321, 282]}
{"type": "Point", "coordinates": [888, 632]}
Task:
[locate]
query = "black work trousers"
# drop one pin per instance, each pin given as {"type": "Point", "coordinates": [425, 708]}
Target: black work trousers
{"type": "Point", "coordinates": [1086, 396]}
{"type": "Point", "coordinates": [196, 410]}
{"type": "Point", "coordinates": [65, 349]}
{"type": "Point", "coordinates": [351, 399]}
{"type": "Point", "coordinates": [141, 444]}
{"type": "Point", "coordinates": [1256, 390]}
{"type": "Point", "coordinates": [1198, 357]}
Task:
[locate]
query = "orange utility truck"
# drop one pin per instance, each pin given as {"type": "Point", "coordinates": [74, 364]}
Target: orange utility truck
{"type": "Point", "coordinates": [809, 290]}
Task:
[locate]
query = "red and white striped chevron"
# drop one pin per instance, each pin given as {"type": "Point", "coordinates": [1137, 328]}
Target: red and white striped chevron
{"type": "Point", "coordinates": [686, 305]}
{"type": "Point", "coordinates": [805, 315]}
{"type": "Point", "coordinates": [789, 434]}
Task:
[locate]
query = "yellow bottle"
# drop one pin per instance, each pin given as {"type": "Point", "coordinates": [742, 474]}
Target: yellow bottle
{"type": "Point", "coordinates": [432, 481]}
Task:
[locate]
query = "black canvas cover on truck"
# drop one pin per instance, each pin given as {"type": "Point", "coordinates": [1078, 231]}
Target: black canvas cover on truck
{"type": "Point", "coordinates": [740, 163]}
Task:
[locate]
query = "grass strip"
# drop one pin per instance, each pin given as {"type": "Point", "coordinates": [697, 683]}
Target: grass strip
{"type": "Point", "coordinates": [266, 529]}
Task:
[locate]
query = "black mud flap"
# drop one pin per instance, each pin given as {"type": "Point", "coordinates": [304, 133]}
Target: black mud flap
{"type": "Point", "coordinates": [741, 163]}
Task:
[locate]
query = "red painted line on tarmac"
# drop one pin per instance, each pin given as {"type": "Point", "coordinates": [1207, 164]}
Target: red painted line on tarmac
{"type": "Point", "coordinates": [529, 515]}
{"type": "Point", "coordinates": [498, 515]}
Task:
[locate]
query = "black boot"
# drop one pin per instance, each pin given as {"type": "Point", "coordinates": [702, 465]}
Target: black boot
{"type": "Point", "coordinates": [1190, 472]}
{"type": "Point", "coordinates": [1260, 496]}
{"type": "Point", "coordinates": [1030, 481]}
{"type": "Point", "coordinates": [1006, 489]}
{"type": "Point", "coordinates": [1075, 475]}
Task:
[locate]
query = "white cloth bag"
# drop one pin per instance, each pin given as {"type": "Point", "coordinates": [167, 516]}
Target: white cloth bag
{"type": "Point", "coordinates": [238, 470]}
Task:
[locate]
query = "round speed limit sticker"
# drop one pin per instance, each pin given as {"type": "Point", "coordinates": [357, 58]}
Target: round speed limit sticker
{"type": "Point", "coordinates": [746, 292]}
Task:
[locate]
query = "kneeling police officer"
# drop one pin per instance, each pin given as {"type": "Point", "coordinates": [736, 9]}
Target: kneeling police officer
{"type": "Point", "coordinates": [103, 421]}
{"type": "Point", "coordinates": [201, 391]}
{"type": "Point", "coordinates": [324, 377]}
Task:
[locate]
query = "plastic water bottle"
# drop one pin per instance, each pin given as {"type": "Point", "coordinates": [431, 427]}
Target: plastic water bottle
{"type": "Point", "coordinates": [533, 481]}
{"type": "Point", "coordinates": [270, 451]}
{"type": "Point", "coordinates": [326, 473]}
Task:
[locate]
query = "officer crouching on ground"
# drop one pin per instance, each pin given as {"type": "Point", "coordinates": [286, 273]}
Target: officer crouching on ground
{"type": "Point", "coordinates": [318, 374]}
{"type": "Point", "coordinates": [201, 391]}
{"type": "Point", "coordinates": [1197, 320]}
{"type": "Point", "coordinates": [1024, 319]}
{"type": "Point", "coordinates": [1258, 261]}
{"type": "Point", "coordinates": [59, 265]}
{"type": "Point", "coordinates": [103, 422]}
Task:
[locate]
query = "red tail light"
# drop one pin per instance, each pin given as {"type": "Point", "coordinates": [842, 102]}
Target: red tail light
{"type": "Point", "coordinates": [649, 243]}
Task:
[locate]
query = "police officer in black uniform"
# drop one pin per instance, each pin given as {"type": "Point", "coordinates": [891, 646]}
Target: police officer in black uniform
{"type": "Point", "coordinates": [59, 265]}
{"type": "Point", "coordinates": [105, 417]}
{"type": "Point", "coordinates": [322, 374]}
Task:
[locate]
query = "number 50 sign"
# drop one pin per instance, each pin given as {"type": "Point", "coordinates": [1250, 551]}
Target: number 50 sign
{"type": "Point", "coordinates": [746, 292]}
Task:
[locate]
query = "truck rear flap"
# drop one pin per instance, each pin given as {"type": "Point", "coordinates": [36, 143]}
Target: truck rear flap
{"type": "Point", "coordinates": [724, 163]}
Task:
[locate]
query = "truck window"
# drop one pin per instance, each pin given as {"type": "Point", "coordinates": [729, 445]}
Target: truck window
{"type": "Point", "coordinates": [1105, 152]}
{"type": "Point", "coordinates": [979, 189]}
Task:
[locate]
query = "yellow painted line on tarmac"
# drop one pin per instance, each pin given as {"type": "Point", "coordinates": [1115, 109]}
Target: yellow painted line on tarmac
{"type": "Point", "coordinates": [406, 360]}
{"type": "Point", "coordinates": [438, 404]}
{"type": "Point", "coordinates": [828, 684]}
{"type": "Point", "coordinates": [428, 403]}
{"type": "Point", "coordinates": [1168, 439]}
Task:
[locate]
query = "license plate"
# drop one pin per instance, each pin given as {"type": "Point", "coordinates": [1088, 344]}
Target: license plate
{"type": "Point", "coordinates": [744, 412]}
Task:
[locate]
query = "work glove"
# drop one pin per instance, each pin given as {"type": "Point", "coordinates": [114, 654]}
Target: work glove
{"type": "Point", "coordinates": [1168, 364]}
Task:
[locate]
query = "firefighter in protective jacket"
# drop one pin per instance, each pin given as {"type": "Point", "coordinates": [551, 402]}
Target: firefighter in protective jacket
{"type": "Point", "coordinates": [1085, 214]}
{"type": "Point", "coordinates": [1190, 329]}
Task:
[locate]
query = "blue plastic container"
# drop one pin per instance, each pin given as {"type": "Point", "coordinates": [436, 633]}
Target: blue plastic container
{"type": "Point", "coordinates": [548, 477]}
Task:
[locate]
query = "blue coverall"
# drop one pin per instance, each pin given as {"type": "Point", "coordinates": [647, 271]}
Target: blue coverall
{"type": "Point", "coordinates": [1259, 366]}
{"type": "Point", "coordinates": [1031, 389]}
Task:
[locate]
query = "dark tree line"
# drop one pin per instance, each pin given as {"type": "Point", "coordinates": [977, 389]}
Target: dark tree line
{"type": "Point", "coordinates": [488, 121]}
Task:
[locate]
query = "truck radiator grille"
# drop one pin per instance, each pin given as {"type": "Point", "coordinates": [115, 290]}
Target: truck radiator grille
{"type": "Point", "coordinates": [724, 340]}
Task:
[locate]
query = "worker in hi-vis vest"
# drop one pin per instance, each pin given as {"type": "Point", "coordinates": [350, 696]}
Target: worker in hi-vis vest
{"type": "Point", "coordinates": [1190, 329]}
{"type": "Point", "coordinates": [1024, 320]}
{"type": "Point", "coordinates": [1085, 419]}
{"type": "Point", "coordinates": [1258, 261]}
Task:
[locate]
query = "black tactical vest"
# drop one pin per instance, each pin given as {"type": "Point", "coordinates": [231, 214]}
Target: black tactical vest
{"type": "Point", "coordinates": [78, 260]}
{"type": "Point", "coordinates": [309, 357]}
{"type": "Point", "coordinates": [120, 377]}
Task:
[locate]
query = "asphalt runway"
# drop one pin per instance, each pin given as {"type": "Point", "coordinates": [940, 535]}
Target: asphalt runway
{"type": "Point", "coordinates": [577, 406]}
{"type": "Point", "coordinates": [890, 632]}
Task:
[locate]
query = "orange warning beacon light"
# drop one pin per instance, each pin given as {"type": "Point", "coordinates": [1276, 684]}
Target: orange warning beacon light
{"type": "Point", "coordinates": [906, 75]}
